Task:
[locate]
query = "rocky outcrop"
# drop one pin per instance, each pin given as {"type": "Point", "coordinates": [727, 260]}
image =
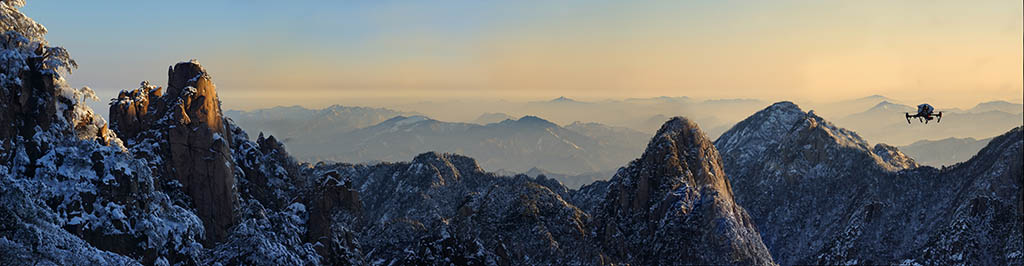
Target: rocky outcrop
{"type": "Point", "coordinates": [820, 195]}
{"type": "Point", "coordinates": [71, 193]}
{"type": "Point", "coordinates": [522, 221]}
{"type": "Point", "coordinates": [675, 205]}
{"type": "Point", "coordinates": [334, 194]}
{"type": "Point", "coordinates": [128, 112]}
{"type": "Point", "coordinates": [892, 156]}
{"type": "Point", "coordinates": [187, 126]}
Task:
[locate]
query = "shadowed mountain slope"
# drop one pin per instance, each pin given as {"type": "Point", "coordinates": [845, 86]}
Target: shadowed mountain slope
{"type": "Point", "coordinates": [820, 195]}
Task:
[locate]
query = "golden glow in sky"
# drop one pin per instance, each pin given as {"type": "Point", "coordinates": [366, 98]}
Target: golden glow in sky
{"type": "Point", "coordinates": [951, 52]}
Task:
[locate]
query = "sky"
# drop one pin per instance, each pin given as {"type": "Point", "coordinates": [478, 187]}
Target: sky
{"type": "Point", "coordinates": [316, 53]}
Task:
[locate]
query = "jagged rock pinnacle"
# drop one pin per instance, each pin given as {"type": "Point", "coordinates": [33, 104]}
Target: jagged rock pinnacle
{"type": "Point", "coordinates": [678, 182]}
{"type": "Point", "coordinates": [188, 117]}
{"type": "Point", "coordinates": [680, 148]}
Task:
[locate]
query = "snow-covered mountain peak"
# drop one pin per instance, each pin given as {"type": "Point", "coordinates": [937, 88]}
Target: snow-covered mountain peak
{"type": "Point", "coordinates": [759, 131]}
{"type": "Point", "coordinates": [783, 126]}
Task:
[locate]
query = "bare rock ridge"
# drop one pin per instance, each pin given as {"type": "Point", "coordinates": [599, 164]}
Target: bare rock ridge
{"type": "Point", "coordinates": [820, 195]}
{"type": "Point", "coordinates": [194, 140]}
{"type": "Point", "coordinates": [661, 208]}
{"type": "Point", "coordinates": [128, 111]}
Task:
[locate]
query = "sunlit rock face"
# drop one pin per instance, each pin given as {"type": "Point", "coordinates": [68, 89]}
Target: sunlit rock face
{"type": "Point", "coordinates": [200, 155]}
{"type": "Point", "coordinates": [192, 137]}
{"type": "Point", "coordinates": [128, 112]}
{"type": "Point", "coordinates": [675, 204]}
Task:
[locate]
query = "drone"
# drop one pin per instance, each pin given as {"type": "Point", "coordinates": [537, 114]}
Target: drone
{"type": "Point", "coordinates": [925, 113]}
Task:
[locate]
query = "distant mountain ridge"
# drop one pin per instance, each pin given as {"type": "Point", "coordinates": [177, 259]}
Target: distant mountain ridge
{"type": "Point", "coordinates": [946, 151]}
{"type": "Point", "coordinates": [886, 121]}
{"type": "Point", "coordinates": [361, 134]}
{"type": "Point", "coordinates": [295, 121]}
{"type": "Point", "coordinates": [488, 118]}
{"type": "Point", "coordinates": [633, 113]}
{"type": "Point", "coordinates": [1002, 106]}
{"type": "Point", "coordinates": [515, 145]}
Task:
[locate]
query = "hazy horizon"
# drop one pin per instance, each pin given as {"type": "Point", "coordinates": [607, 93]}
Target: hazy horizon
{"type": "Point", "coordinates": [316, 54]}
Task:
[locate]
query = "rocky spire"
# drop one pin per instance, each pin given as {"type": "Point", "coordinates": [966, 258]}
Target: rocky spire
{"type": "Point", "coordinates": [196, 144]}
{"type": "Point", "coordinates": [674, 204]}
{"type": "Point", "coordinates": [200, 154]}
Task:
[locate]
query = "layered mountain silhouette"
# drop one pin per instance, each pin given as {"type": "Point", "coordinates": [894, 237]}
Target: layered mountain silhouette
{"type": "Point", "coordinates": [1002, 106]}
{"type": "Point", "coordinates": [512, 145]}
{"type": "Point", "coordinates": [820, 194]}
{"type": "Point", "coordinates": [487, 118]}
{"type": "Point", "coordinates": [362, 134]}
{"type": "Point", "coordinates": [944, 152]}
{"type": "Point", "coordinates": [296, 123]}
{"type": "Point", "coordinates": [885, 121]}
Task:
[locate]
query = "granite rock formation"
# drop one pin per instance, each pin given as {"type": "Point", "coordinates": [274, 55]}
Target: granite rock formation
{"type": "Point", "coordinates": [675, 204]}
{"type": "Point", "coordinates": [189, 128]}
